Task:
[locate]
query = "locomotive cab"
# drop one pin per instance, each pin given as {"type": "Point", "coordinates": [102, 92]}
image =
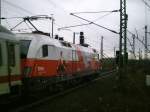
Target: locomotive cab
{"type": "Point", "coordinates": [24, 46]}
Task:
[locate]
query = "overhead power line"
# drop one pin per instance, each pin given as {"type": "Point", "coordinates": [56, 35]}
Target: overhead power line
{"type": "Point", "coordinates": [35, 17]}
{"type": "Point", "coordinates": [146, 3]}
{"type": "Point", "coordinates": [102, 16]}
{"type": "Point", "coordinates": [18, 7]}
{"type": "Point", "coordinates": [52, 3]}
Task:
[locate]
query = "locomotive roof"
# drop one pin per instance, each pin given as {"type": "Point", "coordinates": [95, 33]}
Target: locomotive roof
{"type": "Point", "coordinates": [42, 39]}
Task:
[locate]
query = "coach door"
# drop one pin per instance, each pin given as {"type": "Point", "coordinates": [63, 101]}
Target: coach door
{"type": "Point", "coordinates": [4, 82]}
{"type": "Point", "coordinates": [11, 59]}
{"type": "Point", "coordinates": [13, 64]}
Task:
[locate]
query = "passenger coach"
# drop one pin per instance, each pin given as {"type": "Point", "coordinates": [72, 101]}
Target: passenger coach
{"type": "Point", "coordinates": [10, 74]}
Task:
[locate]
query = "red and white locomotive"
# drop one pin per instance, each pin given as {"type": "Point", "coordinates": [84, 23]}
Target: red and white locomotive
{"type": "Point", "coordinates": [45, 60]}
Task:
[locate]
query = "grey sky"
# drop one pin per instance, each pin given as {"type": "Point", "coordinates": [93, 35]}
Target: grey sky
{"type": "Point", "coordinates": [62, 8]}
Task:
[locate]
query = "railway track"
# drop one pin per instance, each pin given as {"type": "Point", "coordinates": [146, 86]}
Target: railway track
{"type": "Point", "coordinates": [43, 100]}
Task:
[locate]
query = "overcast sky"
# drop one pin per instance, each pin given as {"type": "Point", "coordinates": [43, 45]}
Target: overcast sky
{"type": "Point", "coordinates": [138, 16]}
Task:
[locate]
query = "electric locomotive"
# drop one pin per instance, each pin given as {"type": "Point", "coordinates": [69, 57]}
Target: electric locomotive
{"type": "Point", "coordinates": [47, 61]}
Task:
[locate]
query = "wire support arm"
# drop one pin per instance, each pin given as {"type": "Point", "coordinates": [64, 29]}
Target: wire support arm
{"type": "Point", "coordinates": [74, 26]}
{"type": "Point", "coordinates": [96, 12]}
{"type": "Point", "coordinates": [94, 23]}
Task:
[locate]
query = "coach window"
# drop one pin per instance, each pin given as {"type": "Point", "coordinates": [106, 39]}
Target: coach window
{"type": "Point", "coordinates": [0, 55]}
{"type": "Point", "coordinates": [45, 50]}
{"type": "Point", "coordinates": [11, 54]}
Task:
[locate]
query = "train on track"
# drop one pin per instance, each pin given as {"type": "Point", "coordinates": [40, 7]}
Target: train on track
{"type": "Point", "coordinates": [30, 62]}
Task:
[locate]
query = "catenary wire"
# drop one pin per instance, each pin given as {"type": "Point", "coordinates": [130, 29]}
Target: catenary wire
{"type": "Point", "coordinates": [18, 7]}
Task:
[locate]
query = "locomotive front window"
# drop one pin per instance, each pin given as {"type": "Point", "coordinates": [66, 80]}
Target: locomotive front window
{"type": "Point", "coordinates": [24, 47]}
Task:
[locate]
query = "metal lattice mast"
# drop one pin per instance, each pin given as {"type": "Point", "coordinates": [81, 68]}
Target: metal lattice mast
{"type": "Point", "coordinates": [0, 10]}
{"type": "Point", "coordinates": [134, 46]}
{"type": "Point", "coordinates": [102, 47]}
{"type": "Point", "coordinates": [52, 25]}
{"type": "Point", "coordinates": [146, 48]}
{"type": "Point", "coordinates": [123, 34]}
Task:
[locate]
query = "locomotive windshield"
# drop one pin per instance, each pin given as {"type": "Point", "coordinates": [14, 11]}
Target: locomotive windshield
{"type": "Point", "coordinates": [24, 47]}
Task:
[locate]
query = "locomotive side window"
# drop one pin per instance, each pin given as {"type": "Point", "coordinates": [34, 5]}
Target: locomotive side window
{"type": "Point", "coordinates": [24, 47]}
{"type": "Point", "coordinates": [0, 55]}
{"type": "Point", "coordinates": [45, 50]}
{"type": "Point", "coordinates": [11, 54]}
